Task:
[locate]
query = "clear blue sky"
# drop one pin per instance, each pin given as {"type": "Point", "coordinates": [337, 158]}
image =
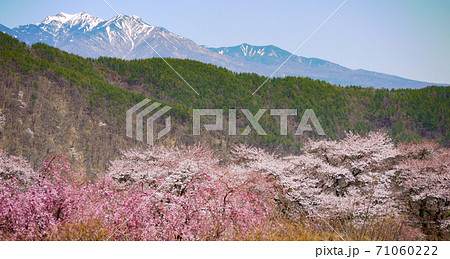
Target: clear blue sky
{"type": "Point", "coordinates": [408, 38]}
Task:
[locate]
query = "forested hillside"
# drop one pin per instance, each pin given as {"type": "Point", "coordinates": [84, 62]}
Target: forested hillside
{"type": "Point", "coordinates": [53, 102]}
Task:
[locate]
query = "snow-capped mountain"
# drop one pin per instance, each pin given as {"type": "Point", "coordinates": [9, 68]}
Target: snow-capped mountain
{"type": "Point", "coordinates": [268, 55]}
{"type": "Point", "coordinates": [123, 36]}
{"type": "Point", "coordinates": [64, 23]}
{"type": "Point", "coordinates": [54, 29]}
{"type": "Point", "coordinates": [272, 57]}
{"type": "Point", "coordinates": [129, 37]}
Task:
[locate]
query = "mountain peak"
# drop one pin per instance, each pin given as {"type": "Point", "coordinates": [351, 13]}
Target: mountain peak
{"type": "Point", "coordinates": [62, 14]}
{"type": "Point", "coordinates": [126, 17]}
{"type": "Point", "coordinates": [131, 25]}
{"type": "Point", "coordinates": [65, 17]}
{"type": "Point", "coordinates": [268, 54]}
{"type": "Point", "coordinates": [64, 21]}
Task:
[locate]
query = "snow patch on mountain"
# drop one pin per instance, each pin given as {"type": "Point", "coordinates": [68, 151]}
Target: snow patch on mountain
{"type": "Point", "coordinates": [250, 51]}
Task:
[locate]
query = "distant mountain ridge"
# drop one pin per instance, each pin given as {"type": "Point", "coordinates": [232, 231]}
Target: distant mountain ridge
{"type": "Point", "coordinates": [129, 37]}
{"type": "Point", "coordinates": [268, 55]}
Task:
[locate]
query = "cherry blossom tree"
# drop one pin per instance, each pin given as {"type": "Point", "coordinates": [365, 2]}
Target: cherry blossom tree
{"type": "Point", "coordinates": [424, 176]}
{"type": "Point", "coordinates": [351, 177]}
{"type": "Point", "coordinates": [17, 168]}
{"type": "Point", "coordinates": [154, 194]}
{"type": "Point", "coordinates": [30, 213]}
{"type": "Point", "coordinates": [188, 193]}
{"type": "Point", "coordinates": [192, 195]}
